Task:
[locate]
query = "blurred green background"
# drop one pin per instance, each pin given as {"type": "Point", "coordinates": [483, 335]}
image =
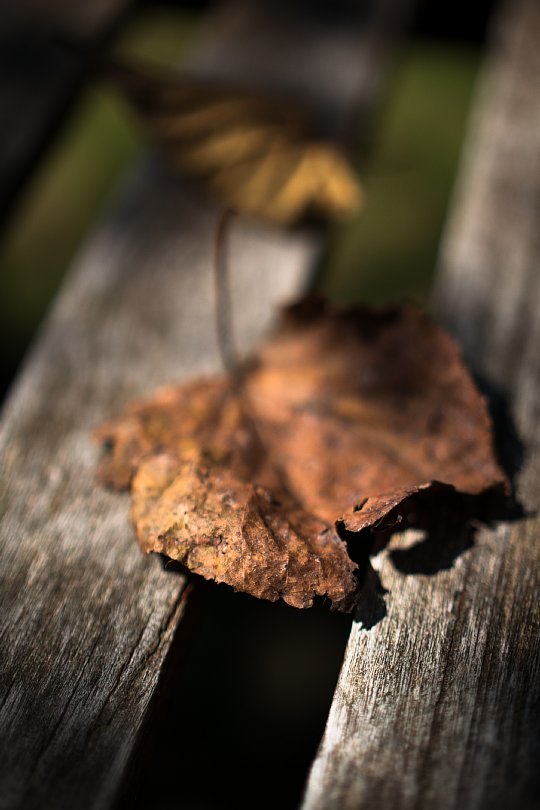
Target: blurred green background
{"type": "Point", "coordinates": [251, 684]}
{"type": "Point", "coordinates": [389, 251]}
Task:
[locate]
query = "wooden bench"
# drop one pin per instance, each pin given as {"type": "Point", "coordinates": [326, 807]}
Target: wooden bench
{"type": "Point", "coordinates": [436, 704]}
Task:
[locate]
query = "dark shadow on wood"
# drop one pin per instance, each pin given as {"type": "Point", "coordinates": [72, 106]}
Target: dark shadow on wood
{"type": "Point", "coordinates": [371, 607]}
{"type": "Point", "coordinates": [509, 447]}
{"type": "Point", "coordinates": [450, 528]}
{"type": "Point", "coordinates": [437, 551]}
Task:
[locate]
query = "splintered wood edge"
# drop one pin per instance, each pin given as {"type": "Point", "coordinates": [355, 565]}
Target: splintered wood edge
{"type": "Point", "coordinates": [435, 704]}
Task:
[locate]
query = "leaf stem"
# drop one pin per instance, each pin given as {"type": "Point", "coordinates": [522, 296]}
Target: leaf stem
{"type": "Point", "coordinates": [223, 302]}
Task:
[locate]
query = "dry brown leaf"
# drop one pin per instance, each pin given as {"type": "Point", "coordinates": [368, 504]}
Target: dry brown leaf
{"type": "Point", "coordinates": [253, 153]}
{"type": "Point", "coordinates": [347, 422]}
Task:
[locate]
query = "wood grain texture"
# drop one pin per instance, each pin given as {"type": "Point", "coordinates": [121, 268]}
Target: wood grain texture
{"type": "Point", "coordinates": [85, 621]}
{"type": "Point", "coordinates": [438, 704]}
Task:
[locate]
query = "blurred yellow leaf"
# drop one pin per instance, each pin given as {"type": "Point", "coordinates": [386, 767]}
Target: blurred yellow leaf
{"type": "Point", "coordinates": [252, 152]}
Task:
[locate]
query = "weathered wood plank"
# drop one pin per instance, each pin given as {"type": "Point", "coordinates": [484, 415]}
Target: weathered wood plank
{"type": "Point", "coordinates": [85, 621]}
{"type": "Point", "coordinates": [438, 705]}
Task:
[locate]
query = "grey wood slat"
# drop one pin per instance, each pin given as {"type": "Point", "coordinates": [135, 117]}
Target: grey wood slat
{"type": "Point", "coordinates": [85, 621]}
{"type": "Point", "coordinates": [438, 705]}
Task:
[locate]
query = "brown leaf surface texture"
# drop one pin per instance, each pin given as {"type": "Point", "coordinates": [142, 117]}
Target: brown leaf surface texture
{"type": "Point", "coordinates": [254, 153]}
{"type": "Point", "coordinates": [346, 422]}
